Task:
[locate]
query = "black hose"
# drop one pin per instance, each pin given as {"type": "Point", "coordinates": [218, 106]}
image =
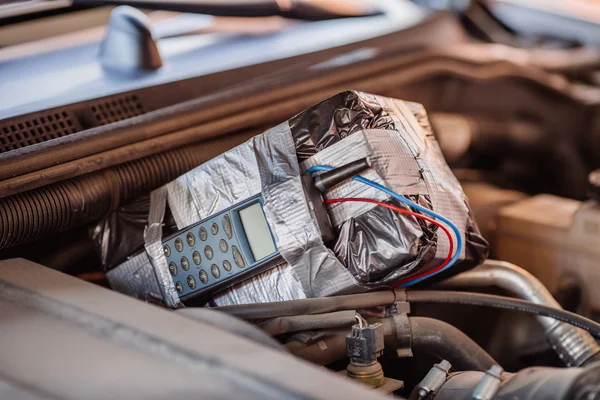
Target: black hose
{"type": "Point", "coordinates": [320, 305]}
{"type": "Point", "coordinates": [445, 342]}
{"type": "Point", "coordinates": [375, 299]}
{"type": "Point", "coordinates": [429, 336]}
{"type": "Point", "coordinates": [321, 348]}
{"type": "Point", "coordinates": [280, 325]}
{"type": "Point", "coordinates": [230, 324]}
{"type": "Point", "coordinates": [507, 303]}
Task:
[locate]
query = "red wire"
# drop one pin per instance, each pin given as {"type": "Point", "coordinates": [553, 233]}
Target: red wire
{"type": "Point", "coordinates": [414, 214]}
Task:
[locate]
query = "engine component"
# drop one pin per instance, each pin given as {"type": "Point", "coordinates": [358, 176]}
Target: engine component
{"type": "Point", "coordinates": [501, 302]}
{"type": "Point", "coordinates": [434, 380]}
{"type": "Point", "coordinates": [319, 347]}
{"type": "Point", "coordinates": [363, 346]}
{"type": "Point", "coordinates": [329, 304]}
{"type": "Point", "coordinates": [427, 336]}
{"type": "Point", "coordinates": [66, 205]}
{"type": "Point", "coordinates": [489, 385]}
{"type": "Point", "coordinates": [573, 346]}
{"type": "Point", "coordinates": [359, 127]}
{"type": "Point", "coordinates": [229, 323]}
{"type": "Point", "coordinates": [281, 325]}
{"type": "Point", "coordinates": [516, 153]}
{"type": "Point", "coordinates": [64, 338]}
{"type": "Point", "coordinates": [537, 383]}
{"type": "Point", "coordinates": [444, 341]}
{"type": "Point", "coordinates": [544, 234]}
{"type": "Point", "coordinates": [318, 305]}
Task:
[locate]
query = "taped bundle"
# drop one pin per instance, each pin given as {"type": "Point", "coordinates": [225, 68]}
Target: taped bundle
{"type": "Point", "coordinates": [373, 246]}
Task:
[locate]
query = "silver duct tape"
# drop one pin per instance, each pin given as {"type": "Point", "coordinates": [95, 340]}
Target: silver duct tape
{"type": "Point", "coordinates": [406, 159]}
{"type": "Point", "coordinates": [136, 277]}
{"type": "Point", "coordinates": [266, 164]}
{"type": "Point", "coordinates": [297, 235]}
{"type": "Point", "coordinates": [154, 248]}
{"type": "Point", "coordinates": [215, 185]}
{"type": "Point", "coordinates": [389, 157]}
{"type": "Point", "coordinates": [409, 161]}
{"type": "Point", "coordinates": [446, 193]}
{"type": "Point", "coordinates": [352, 148]}
{"type": "Point", "coordinates": [380, 238]}
{"type": "Point", "coordinates": [420, 114]}
{"type": "Point", "coordinates": [277, 284]}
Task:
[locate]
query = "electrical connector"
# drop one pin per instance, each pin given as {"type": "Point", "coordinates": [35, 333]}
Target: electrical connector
{"type": "Point", "coordinates": [363, 346]}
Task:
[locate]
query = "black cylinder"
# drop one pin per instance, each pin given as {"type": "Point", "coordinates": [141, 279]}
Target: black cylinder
{"type": "Point", "coordinates": [338, 175]}
{"type": "Point", "coordinates": [445, 342]}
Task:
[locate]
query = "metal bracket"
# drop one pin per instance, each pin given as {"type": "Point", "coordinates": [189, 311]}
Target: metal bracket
{"type": "Point", "coordinates": [399, 343]}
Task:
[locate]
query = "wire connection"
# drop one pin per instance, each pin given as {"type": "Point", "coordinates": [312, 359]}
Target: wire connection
{"type": "Point", "coordinates": [459, 244]}
{"type": "Point", "coordinates": [411, 213]}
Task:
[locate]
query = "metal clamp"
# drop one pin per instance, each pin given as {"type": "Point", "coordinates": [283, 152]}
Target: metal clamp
{"type": "Point", "coordinates": [434, 379]}
{"type": "Point", "coordinates": [397, 329]}
{"type": "Point", "coordinates": [489, 385]}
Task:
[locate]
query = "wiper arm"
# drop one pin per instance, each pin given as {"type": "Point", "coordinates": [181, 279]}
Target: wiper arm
{"type": "Point", "coordinates": [295, 9]}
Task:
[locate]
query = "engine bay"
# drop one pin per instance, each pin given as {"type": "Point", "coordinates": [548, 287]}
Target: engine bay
{"type": "Point", "coordinates": [315, 200]}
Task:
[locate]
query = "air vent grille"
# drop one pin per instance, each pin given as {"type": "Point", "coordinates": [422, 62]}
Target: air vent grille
{"type": "Point", "coordinates": [116, 109]}
{"type": "Point", "coordinates": [17, 134]}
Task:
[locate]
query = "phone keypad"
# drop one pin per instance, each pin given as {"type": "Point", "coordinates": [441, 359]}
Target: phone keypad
{"type": "Point", "coordinates": [227, 226]}
{"type": "Point", "coordinates": [185, 264]}
{"type": "Point", "coordinates": [208, 252]}
{"type": "Point", "coordinates": [179, 245]}
{"type": "Point", "coordinates": [223, 246]}
{"type": "Point", "coordinates": [215, 271]}
{"type": "Point", "coordinates": [204, 255]}
{"type": "Point", "coordinates": [237, 257]}
{"type": "Point", "coordinates": [203, 276]}
{"type": "Point", "coordinates": [203, 234]}
{"type": "Point", "coordinates": [173, 268]}
{"type": "Point", "coordinates": [197, 258]}
{"type": "Point", "coordinates": [191, 240]}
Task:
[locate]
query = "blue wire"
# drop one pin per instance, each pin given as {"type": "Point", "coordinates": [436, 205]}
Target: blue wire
{"type": "Point", "coordinates": [414, 205]}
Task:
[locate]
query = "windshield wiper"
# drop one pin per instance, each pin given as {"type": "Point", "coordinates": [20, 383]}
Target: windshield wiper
{"type": "Point", "coordinates": [295, 9]}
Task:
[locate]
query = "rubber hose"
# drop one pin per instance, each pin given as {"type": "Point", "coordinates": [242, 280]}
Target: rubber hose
{"type": "Point", "coordinates": [61, 206]}
{"type": "Point", "coordinates": [507, 303]}
{"type": "Point", "coordinates": [320, 305]}
{"type": "Point", "coordinates": [573, 346]}
{"type": "Point", "coordinates": [324, 348]}
{"type": "Point", "coordinates": [280, 325]}
{"type": "Point", "coordinates": [429, 336]}
{"type": "Point", "coordinates": [445, 342]}
{"type": "Point", "coordinates": [230, 324]}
